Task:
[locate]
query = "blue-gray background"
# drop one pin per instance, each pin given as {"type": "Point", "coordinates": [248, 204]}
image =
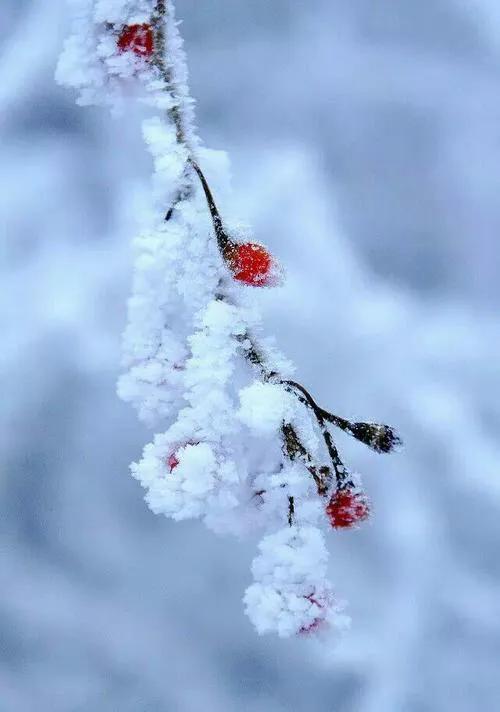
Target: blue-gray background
{"type": "Point", "coordinates": [365, 139]}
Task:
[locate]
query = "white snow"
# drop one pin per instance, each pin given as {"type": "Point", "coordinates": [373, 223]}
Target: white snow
{"type": "Point", "coordinates": [265, 406]}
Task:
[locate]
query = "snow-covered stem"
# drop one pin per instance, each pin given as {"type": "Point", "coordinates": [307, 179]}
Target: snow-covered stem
{"type": "Point", "coordinates": [158, 60]}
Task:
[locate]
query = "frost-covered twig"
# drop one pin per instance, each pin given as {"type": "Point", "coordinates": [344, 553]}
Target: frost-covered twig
{"type": "Point", "coordinates": [380, 438]}
{"type": "Point", "coordinates": [239, 442]}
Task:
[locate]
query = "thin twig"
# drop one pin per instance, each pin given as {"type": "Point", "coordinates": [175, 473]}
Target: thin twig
{"type": "Point", "coordinates": [159, 60]}
{"type": "Point", "coordinates": [175, 114]}
{"type": "Point", "coordinates": [380, 438]}
{"type": "Point", "coordinates": [294, 449]}
{"type": "Point", "coordinates": [341, 473]}
{"type": "Point", "coordinates": [223, 240]}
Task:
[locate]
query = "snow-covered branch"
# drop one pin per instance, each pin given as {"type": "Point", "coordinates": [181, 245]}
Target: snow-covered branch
{"type": "Point", "coordinates": [239, 444]}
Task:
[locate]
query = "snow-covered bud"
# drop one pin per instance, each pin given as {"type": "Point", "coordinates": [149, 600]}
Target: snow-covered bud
{"type": "Point", "coordinates": [381, 438]}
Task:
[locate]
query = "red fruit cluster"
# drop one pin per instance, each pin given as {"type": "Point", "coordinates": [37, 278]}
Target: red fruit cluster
{"type": "Point", "coordinates": [138, 39]}
{"type": "Point", "coordinates": [347, 508]}
{"type": "Point", "coordinates": [251, 264]}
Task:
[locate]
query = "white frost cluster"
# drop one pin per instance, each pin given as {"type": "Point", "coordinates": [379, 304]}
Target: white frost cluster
{"type": "Point", "coordinates": [264, 406]}
{"type": "Point", "coordinates": [218, 452]}
{"type": "Point", "coordinates": [290, 595]}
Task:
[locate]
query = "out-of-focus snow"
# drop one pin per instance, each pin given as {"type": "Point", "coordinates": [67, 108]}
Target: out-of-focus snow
{"type": "Point", "coordinates": [364, 141]}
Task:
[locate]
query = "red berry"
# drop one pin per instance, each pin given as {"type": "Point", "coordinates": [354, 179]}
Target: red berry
{"type": "Point", "coordinates": [252, 264]}
{"type": "Point", "coordinates": [172, 461]}
{"type": "Point", "coordinates": [138, 39]}
{"type": "Point", "coordinates": [346, 508]}
{"type": "Point", "coordinates": [318, 622]}
{"type": "Point", "coordinates": [313, 627]}
{"type": "Point", "coordinates": [173, 458]}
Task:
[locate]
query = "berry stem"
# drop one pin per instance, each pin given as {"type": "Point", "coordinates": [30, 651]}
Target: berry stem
{"type": "Point", "coordinates": [341, 473]}
{"type": "Point", "coordinates": [223, 240]}
{"type": "Point", "coordinates": [294, 448]}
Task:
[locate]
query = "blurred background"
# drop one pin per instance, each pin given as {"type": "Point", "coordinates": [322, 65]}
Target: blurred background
{"type": "Point", "coordinates": [365, 144]}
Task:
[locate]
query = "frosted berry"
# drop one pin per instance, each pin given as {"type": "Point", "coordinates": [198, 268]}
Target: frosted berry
{"type": "Point", "coordinates": [172, 461]}
{"type": "Point", "coordinates": [252, 264]}
{"type": "Point", "coordinates": [319, 621]}
{"type": "Point", "coordinates": [347, 508]}
{"type": "Point", "coordinates": [138, 39]}
{"type": "Point", "coordinates": [173, 458]}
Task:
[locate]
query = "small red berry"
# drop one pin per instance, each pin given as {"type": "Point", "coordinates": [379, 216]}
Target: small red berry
{"type": "Point", "coordinates": [173, 458]}
{"type": "Point", "coordinates": [172, 461]}
{"type": "Point", "coordinates": [138, 39]}
{"type": "Point", "coordinates": [318, 622]}
{"type": "Point", "coordinates": [252, 264]}
{"type": "Point", "coordinates": [346, 508]}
